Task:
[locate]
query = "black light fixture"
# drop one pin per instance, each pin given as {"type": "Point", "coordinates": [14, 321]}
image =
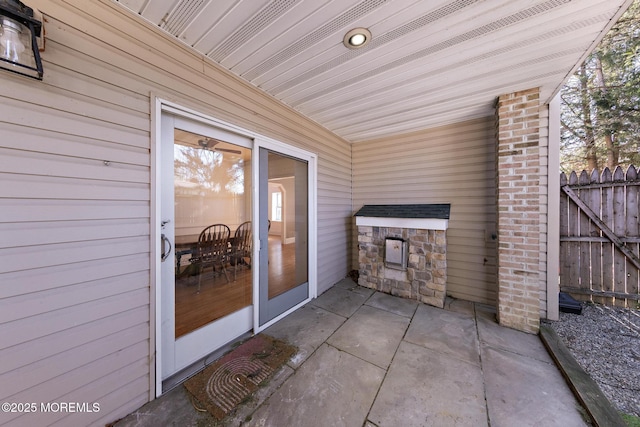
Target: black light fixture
{"type": "Point", "coordinates": [19, 51]}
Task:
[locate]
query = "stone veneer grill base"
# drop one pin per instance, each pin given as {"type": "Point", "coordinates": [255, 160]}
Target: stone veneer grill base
{"type": "Point", "coordinates": [424, 227]}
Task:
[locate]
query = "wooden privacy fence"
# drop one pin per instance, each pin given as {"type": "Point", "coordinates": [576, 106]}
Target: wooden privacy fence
{"type": "Point", "coordinates": [600, 236]}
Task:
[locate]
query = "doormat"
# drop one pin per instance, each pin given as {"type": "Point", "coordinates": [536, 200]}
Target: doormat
{"type": "Point", "coordinates": [223, 385]}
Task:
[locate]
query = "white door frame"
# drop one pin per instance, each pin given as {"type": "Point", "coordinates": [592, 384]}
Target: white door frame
{"type": "Point", "coordinates": [311, 159]}
{"type": "Point", "coordinates": [181, 352]}
{"type": "Point", "coordinates": [158, 107]}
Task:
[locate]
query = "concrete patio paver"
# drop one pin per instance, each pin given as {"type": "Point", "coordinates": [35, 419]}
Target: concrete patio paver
{"type": "Point", "coordinates": [245, 411]}
{"type": "Point", "coordinates": [349, 285]}
{"type": "Point", "coordinates": [341, 301]}
{"type": "Point", "coordinates": [307, 328]}
{"type": "Point", "coordinates": [332, 388]}
{"type": "Point", "coordinates": [400, 306]}
{"type": "Point", "coordinates": [427, 388]}
{"type": "Point", "coordinates": [460, 306]}
{"type": "Point", "coordinates": [371, 359]}
{"type": "Point", "coordinates": [518, 342]}
{"type": "Point", "coordinates": [371, 334]}
{"type": "Point", "coordinates": [445, 331]}
{"type": "Point", "coordinates": [523, 388]}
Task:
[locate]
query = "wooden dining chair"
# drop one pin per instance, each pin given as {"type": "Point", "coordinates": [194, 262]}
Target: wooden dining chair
{"type": "Point", "coordinates": [241, 247]}
{"type": "Point", "coordinates": [212, 250]}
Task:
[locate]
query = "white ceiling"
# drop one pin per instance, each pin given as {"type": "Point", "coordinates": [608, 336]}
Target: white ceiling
{"type": "Point", "coordinates": [430, 62]}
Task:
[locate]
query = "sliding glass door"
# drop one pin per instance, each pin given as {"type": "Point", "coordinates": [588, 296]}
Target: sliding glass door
{"type": "Point", "coordinates": [237, 237]}
{"type": "Point", "coordinates": [207, 282]}
{"type": "Point", "coordinates": [284, 233]}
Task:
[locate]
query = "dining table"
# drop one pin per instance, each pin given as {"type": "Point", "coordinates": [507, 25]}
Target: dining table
{"type": "Point", "coordinates": [186, 244]}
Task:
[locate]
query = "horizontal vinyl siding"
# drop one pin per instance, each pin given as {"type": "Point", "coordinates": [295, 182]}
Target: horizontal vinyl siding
{"type": "Point", "coordinates": [75, 197]}
{"type": "Point", "coordinates": [545, 301]}
{"type": "Point", "coordinates": [450, 164]}
{"type": "Point", "coordinates": [74, 253]}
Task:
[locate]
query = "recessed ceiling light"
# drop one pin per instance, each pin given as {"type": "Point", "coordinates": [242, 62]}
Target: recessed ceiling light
{"type": "Point", "coordinates": [357, 38]}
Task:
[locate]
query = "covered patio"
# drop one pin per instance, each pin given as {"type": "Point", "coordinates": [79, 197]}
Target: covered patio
{"type": "Point", "coordinates": [446, 102]}
{"type": "Point", "coordinates": [369, 359]}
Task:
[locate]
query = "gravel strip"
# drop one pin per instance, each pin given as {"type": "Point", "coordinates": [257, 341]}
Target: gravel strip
{"type": "Point", "coordinates": [606, 343]}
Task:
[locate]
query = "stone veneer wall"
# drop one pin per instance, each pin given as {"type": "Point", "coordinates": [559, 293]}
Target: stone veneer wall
{"type": "Point", "coordinates": [426, 275]}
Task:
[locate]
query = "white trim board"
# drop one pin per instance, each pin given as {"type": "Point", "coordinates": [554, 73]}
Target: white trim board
{"type": "Point", "coordinates": [417, 223]}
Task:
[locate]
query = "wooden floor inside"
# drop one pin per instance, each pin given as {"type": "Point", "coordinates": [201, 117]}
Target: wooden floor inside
{"type": "Point", "coordinates": [218, 298]}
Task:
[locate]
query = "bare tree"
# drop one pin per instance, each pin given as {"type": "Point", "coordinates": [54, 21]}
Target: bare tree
{"type": "Point", "coordinates": [600, 113]}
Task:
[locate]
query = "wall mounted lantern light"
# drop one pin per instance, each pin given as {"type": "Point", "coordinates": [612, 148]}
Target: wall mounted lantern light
{"type": "Point", "coordinates": [19, 51]}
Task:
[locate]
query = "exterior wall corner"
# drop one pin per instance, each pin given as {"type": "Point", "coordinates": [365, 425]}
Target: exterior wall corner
{"type": "Point", "coordinates": [521, 194]}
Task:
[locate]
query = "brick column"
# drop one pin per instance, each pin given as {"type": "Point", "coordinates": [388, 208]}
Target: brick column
{"type": "Point", "coordinates": [518, 194]}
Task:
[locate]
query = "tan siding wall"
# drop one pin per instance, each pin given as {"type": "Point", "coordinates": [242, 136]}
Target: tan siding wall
{"type": "Point", "coordinates": [544, 204]}
{"type": "Point", "coordinates": [451, 164]}
{"type": "Point", "coordinates": [75, 249]}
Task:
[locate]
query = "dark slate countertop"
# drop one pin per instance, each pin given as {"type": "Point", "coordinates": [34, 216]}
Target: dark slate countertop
{"type": "Point", "coordinates": [438, 211]}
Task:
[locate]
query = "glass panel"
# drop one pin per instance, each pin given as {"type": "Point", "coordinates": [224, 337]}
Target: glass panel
{"type": "Point", "coordinates": [212, 184]}
{"type": "Point", "coordinates": [288, 254]}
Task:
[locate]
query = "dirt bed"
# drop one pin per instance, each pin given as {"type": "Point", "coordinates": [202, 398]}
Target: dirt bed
{"type": "Point", "coordinates": [606, 343]}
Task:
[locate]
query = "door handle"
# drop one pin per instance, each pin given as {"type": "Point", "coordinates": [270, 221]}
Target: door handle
{"type": "Point", "coordinates": [165, 254]}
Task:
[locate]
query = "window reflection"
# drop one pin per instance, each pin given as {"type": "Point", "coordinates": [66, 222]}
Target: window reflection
{"type": "Point", "coordinates": [212, 183]}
